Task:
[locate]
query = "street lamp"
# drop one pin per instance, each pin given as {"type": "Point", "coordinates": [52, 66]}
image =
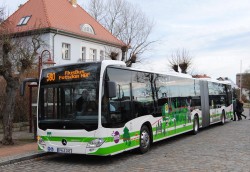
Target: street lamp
{"type": "Point", "coordinates": [49, 62]}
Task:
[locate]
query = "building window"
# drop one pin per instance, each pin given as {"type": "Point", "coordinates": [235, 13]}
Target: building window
{"type": "Point", "coordinates": [92, 55]}
{"type": "Point", "coordinates": [87, 28]}
{"type": "Point", "coordinates": [83, 53]}
{"type": "Point", "coordinates": [65, 51]}
{"type": "Point", "coordinates": [102, 55]}
{"type": "Point", "coordinates": [24, 21]}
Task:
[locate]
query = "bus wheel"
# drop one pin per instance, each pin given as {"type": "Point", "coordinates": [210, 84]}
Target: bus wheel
{"type": "Point", "coordinates": [144, 139]}
{"type": "Point", "coordinates": [223, 118]}
{"type": "Point", "coordinates": [195, 125]}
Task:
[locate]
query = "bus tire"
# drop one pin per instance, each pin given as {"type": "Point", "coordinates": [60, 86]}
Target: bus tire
{"type": "Point", "coordinates": [223, 118]}
{"type": "Point", "coordinates": [144, 139]}
{"type": "Point", "coordinates": [195, 125]}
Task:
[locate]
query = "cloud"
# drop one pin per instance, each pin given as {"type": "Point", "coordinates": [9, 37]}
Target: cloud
{"type": "Point", "coordinates": [236, 41]}
{"type": "Point", "coordinates": [217, 33]}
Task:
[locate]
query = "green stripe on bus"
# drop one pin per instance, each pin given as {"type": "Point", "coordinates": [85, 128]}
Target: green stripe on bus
{"type": "Point", "coordinates": [69, 139]}
{"type": "Point", "coordinates": [84, 139]}
{"type": "Point", "coordinates": [173, 132]}
{"type": "Point", "coordinates": [215, 115]}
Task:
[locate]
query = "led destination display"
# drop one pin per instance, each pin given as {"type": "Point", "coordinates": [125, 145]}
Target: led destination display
{"type": "Point", "coordinates": [67, 75]}
{"type": "Point", "coordinates": [70, 73]}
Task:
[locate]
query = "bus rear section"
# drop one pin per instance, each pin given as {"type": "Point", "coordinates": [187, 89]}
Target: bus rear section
{"type": "Point", "coordinates": [216, 102]}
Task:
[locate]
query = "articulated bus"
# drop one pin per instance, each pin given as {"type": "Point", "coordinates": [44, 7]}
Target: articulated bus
{"type": "Point", "coordinates": [104, 108]}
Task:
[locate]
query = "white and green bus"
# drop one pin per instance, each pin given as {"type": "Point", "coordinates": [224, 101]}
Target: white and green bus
{"type": "Point", "coordinates": [104, 108]}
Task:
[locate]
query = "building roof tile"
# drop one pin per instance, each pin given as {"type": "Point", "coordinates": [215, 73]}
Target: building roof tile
{"type": "Point", "coordinates": [60, 15]}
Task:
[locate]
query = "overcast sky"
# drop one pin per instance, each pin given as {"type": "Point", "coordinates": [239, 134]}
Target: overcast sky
{"type": "Point", "coordinates": [215, 32]}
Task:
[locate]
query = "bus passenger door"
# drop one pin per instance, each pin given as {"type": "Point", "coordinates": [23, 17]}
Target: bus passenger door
{"type": "Point", "coordinates": [205, 104]}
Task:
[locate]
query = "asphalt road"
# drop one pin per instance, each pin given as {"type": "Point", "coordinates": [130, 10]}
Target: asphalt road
{"type": "Point", "coordinates": [216, 148]}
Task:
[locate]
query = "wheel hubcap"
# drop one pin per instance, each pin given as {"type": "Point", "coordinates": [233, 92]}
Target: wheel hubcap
{"type": "Point", "coordinates": [223, 119]}
{"type": "Point", "coordinates": [195, 125]}
{"type": "Point", "coordinates": [144, 139]}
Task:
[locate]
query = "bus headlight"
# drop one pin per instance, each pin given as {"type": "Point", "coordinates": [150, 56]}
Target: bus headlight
{"type": "Point", "coordinates": [41, 142]}
{"type": "Point", "coordinates": [95, 143]}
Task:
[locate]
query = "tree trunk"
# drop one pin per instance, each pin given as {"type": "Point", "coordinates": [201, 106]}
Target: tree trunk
{"type": "Point", "coordinates": [8, 111]}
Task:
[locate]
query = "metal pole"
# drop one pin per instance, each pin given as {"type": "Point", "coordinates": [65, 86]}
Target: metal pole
{"type": "Point", "coordinates": [39, 65]}
{"type": "Point", "coordinates": [30, 110]}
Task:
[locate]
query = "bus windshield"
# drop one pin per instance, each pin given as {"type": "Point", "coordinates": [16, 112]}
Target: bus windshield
{"type": "Point", "coordinates": [68, 97]}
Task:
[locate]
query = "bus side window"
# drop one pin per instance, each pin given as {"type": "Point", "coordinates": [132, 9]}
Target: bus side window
{"type": "Point", "coordinates": [160, 103]}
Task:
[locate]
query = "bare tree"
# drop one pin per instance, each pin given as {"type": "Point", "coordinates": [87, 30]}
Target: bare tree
{"type": "Point", "coordinates": [17, 56]}
{"type": "Point", "coordinates": [126, 22]}
{"type": "Point", "coordinates": [174, 61]}
{"type": "Point", "coordinates": [96, 9]}
{"type": "Point", "coordinates": [1, 14]}
{"type": "Point", "coordinates": [180, 59]}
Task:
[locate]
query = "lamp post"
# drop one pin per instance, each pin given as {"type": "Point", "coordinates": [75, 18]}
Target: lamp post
{"type": "Point", "coordinates": [48, 62]}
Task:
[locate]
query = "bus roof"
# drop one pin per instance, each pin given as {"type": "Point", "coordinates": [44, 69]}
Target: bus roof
{"type": "Point", "coordinates": [122, 64]}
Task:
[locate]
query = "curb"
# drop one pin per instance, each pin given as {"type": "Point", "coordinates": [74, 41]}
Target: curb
{"type": "Point", "coordinates": [12, 160]}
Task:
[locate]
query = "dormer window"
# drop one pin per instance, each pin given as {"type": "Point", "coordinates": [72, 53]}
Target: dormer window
{"type": "Point", "coordinates": [87, 28]}
{"type": "Point", "coordinates": [24, 21]}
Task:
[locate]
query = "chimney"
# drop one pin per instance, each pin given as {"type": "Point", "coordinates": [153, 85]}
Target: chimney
{"type": "Point", "coordinates": [73, 3]}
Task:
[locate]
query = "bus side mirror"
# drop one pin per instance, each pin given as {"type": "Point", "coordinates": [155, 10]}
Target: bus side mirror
{"type": "Point", "coordinates": [23, 84]}
{"type": "Point", "coordinates": [111, 89]}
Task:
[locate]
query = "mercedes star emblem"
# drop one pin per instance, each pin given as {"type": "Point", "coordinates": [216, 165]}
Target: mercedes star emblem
{"type": "Point", "coordinates": [64, 142]}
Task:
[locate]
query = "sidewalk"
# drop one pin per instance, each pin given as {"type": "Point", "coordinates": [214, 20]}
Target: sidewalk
{"type": "Point", "coordinates": [24, 148]}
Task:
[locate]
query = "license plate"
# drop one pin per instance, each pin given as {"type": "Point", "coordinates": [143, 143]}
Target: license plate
{"type": "Point", "coordinates": [64, 150]}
